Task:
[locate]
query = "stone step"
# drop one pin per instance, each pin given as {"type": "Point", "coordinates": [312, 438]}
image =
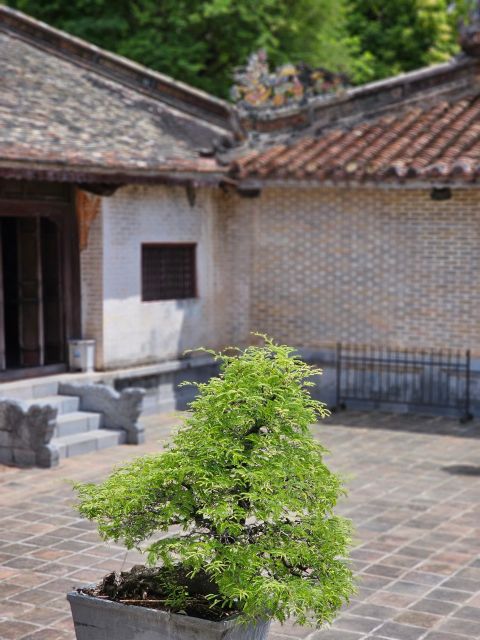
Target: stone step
{"type": "Point", "coordinates": [69, 424]}
{"type": "Point", "coordinates": [64, 404]}
{"type": "Point", "coordinates": [76, 431]}
{"type": "Point", "coordinates": [89, 441]}
{"type": "Point", "coordinates": [28, 389]}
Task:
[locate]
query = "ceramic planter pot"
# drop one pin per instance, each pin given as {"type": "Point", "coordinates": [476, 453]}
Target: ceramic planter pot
{"type": "Point", "coordinates": [99, 619]}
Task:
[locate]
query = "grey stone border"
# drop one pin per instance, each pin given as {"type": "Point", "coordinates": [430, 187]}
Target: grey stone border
{"type": "Point", "coordinates": [26, 434]}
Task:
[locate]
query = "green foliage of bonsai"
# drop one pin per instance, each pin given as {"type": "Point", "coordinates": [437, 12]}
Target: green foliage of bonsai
{"type": "Point", "coordinates": [245, 483]}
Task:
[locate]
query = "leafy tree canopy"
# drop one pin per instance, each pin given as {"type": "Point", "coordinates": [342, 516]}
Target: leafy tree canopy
{"type": "Point", "coordinates": [246, 485]}
{"type": "Point", "coordinates": [202, 41]}
{"type": "Point", "coordinates": [391, 36]}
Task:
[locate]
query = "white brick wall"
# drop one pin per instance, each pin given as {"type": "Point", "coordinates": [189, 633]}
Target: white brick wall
{"type": "Point", "coordinates": [137, 332]}
{"type": "Point", "coordinates": [307, 266]}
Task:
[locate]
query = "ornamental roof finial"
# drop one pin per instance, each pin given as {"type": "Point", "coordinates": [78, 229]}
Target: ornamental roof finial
{"type": "Point", "coordinates": [470, 34]}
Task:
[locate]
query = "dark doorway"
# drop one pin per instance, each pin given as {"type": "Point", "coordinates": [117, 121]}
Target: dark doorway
{"type": "Point", "coordinates": [33, 319]}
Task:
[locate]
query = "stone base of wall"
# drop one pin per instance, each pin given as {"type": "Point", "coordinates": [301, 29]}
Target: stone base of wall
{"type": "Point", "coordinates": [162, 391]}
{"type": "Point", "coordinates": [162, 387]}
{"type": "Point", "coordinates": [326, 390]}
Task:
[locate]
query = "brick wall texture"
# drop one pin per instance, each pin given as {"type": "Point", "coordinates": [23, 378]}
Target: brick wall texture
{"type": "Point", "coordinates": [367, 266]}
{"type": "Point", "coordinates": [137, 332]}
{"type": "Point", "coordinates": [308, 266]}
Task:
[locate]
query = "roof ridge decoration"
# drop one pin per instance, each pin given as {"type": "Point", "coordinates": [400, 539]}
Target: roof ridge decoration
{"type": "Point", "coordinates": [179, 95]}
{"type": "Point", "coordinates": [257, 86]}
{"type": "Point", "coordinates": [470, 34]}
{"type": "Point", "coordinates": [369, 100]}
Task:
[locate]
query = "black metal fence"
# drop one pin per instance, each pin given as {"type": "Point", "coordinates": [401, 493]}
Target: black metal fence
{"type": "Point", "coordinates": [433, 378]}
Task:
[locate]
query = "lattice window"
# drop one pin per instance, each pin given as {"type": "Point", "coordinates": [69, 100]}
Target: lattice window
{"type": "Point", "coordinates": [168, 271]}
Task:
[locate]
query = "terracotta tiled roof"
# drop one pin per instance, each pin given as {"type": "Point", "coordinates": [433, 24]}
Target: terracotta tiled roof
{"type": "Point", "coordinates": [434, 143]}
{"type": "Point", "coordinates": [71, 111]}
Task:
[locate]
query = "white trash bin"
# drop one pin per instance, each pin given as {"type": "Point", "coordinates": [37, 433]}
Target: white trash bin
{"type": "Point", "coordinates": [81, 355]}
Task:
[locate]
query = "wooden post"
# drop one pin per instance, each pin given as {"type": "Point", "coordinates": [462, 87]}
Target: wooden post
{"type": "Point", "coordinates": [2, 310]}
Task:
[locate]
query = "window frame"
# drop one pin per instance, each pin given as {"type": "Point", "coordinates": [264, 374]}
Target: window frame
{"type": "Point", "coordinates": [161, 245]}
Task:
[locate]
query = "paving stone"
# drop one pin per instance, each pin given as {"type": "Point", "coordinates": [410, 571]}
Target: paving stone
{"type": "Point", "coordinates": [18, 549]}
{"type": "Point", "coordinates": [64, 533]}
{"type": "Point", "coordinates": [434, 606]}
{"type": "Point", "coordinates": [464, 584]}
{"type": "Point", "coordinates": [469, 628]}
{"type": "Point", "coordinates": [7, 572]}
{"type": "Point", "coordinates": [72, 545]}
{"type": "Point", "coordinates": [418, 619]}
{"type": "Point", "coordinates": [24, 563]}
{"type": "Point", "coordinates": [66, 624]}
{"type": "Point", "coordinates": [398, 631]}
{"type": "Point", "coordinates": [42, 541]}
{"type": "Point", "coordinates": [470, 613]}
{"type": "Point", "coordinates": [8, 588]}
{"type": "Point", "coordinates": [399, 560]}
{"type": "Point", "coordinates": [367, 555]}
{"type": "Point", "coordinates": [43, 616]}
{"type": "Point", "coordinates": [49, 554]}
{"type": "Point", "coordinates": [57, 569]}
{"type": "Point", "coordinates": [475, 601]}
{"type": "Point", "coordinates": [450, 595]}
{"type": "Point", "coordinates": [374, 582]}
{"type": "Point", "coordinates": [421, 577]}
{"type": "Point", "coordinates": [384, 570]}
{"type": "Point", "coordinates": [12, 609]}
{"type": "Point", "coordinates": [47, 634]}
{"type": "Point", "coordinates": [31, 578]}
{"type": "Point", "coordinates": [33, 596]}
{"type": "Point", "coordinates": [440, 635]}
{"type": "Point", "coordinates": [289, 630]}
{"type": "Point", "coordinates": [356, 623]}
{"type": "Point", "coordinates": [336, 634]}
{"type": "Point", "coordinates": [416, 552]}
{"type": "Point", "coordinates": [440, 568]}
{"type": "Point", "coordinates": [399, 484]}
{"type": "Point", "coordinates": [376, 611]}
{"type": "Point", "coordinates": [14, 630]}
{"type": "Point", "coordinates": [471, 573]}
{"type": "Point", "coordinates": [388, 598]}
{"type": "Point", "coordinates": [408, 588]}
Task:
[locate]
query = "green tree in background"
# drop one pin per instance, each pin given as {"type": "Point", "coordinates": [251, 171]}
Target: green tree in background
{"type": "Point", "coordinates": [202, 41]}
{"type": "Point", "coordinates": [391, 36]}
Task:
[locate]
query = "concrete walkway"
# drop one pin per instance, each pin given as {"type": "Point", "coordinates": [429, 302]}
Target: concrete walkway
{"type": "Point", "coordinates": [414, 497]}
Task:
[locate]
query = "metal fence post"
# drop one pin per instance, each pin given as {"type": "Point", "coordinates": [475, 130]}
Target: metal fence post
{"type": "Point", "coordinates": [339, 374]}
{"type": "Point", "coordinates": [468, 415]}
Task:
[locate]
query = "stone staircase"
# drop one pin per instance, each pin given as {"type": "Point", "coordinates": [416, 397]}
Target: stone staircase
{"type": "Point", "coordinates": [77, 431]}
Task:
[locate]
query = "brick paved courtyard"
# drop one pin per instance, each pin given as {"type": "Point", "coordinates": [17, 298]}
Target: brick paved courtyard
{"type": "Point", "coordinates": [414, 497]}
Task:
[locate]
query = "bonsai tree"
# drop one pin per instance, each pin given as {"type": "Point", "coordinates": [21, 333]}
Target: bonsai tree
{"type": "Point", "coordinates": [251, 501]}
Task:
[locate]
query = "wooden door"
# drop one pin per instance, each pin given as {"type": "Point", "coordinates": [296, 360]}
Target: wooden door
{"type": "Point", "coordinates": [52, 290]}
{"type": "Point", "coordinates": [2, 309]}
{"type": "Point", "coordinates": [29, 292]}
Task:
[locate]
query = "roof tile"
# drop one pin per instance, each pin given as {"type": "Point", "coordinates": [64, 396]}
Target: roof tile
{"type": "Point", "coordinates": [440, 141]}
{"type": "Point", "coordinates": [66, 117]}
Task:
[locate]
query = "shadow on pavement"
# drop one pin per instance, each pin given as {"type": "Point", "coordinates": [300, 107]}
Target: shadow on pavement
{"type": "Point", "coordinates": [412, 422]}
